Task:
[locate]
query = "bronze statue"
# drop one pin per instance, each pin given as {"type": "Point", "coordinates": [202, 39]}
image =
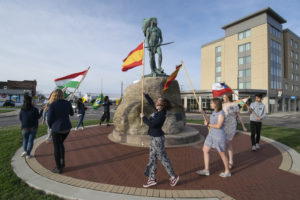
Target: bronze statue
{"type": "Point", "coordinates": [153, 37]}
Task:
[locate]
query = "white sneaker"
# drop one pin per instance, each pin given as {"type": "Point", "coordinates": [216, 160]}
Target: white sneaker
{"type": "Point", "coordinates": [253, 148]}
{"type": "Point", "coordinates": [203, 172]}
{"type": "Point", "coordinates": [82, 128]}
{"type": "Point", "coordinates": [28, 156]}
{"type": "Point", "coordinates": [76, 129]}
{"type": "Point", "coordinates": [223, 175]}
{"type": "Point", "coordinates": [257, 146]}
{"type": "Point", "coordinates": [23, 154]}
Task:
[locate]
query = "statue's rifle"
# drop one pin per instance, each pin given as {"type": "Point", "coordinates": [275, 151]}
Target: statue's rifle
{"type": "Point", "coordinates": [160, 45]}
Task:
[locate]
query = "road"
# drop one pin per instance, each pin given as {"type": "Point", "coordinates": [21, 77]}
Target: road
{"type": "Point", "coordinates": [290, 120]}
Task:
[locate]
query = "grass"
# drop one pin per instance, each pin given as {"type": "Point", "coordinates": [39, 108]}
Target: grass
{"type": "Point", "coordinates": [11, 187]}
{"type": "Point", "coordinates": [287, 136]}
{"type": "Point", "coordinates": [6, 110]}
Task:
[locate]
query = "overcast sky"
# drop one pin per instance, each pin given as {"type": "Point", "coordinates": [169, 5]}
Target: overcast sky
{"type": "Point", "coordinates": [44, 40]}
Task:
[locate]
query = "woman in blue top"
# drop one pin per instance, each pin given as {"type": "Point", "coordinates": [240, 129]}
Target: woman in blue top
{"type": "Point", "coordinates": [216, 138]}
{"type": "Point", "coordinates": [29, 117]}
{"type": "Point", "coordinates": [81, 112]}
{"type": "Point", "coordinates": [157, 140]}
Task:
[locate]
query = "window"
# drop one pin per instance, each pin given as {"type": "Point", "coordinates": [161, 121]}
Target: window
{"type": "Point", "coordinates": [244, 47]}
{"type": "Point", "coordinates": [248, 59]}
{"type": "Point", "coordinates": [218, 79]}
{"type": "Point", "coordinates": [291, 41]}
{"type": "Point", "coordinates": [218, 49]}
{"type": "Point", "coordinates": [248, 85]}
{"type": "Point", "coordinates": [297, 88]}
{"type": "Point", "coordinates": [296, 45]}
{"type": "Point", "coordinates": [274, 32]}
{"type": "Point", "coordinates": [241, 73]}
{"type": "Point", "coordinates": [241, 48]}
{"type": "Point", "coordinates": [296, 66]}
{"type": "Point", "coordinates": [244, 34]}
{"type": "Point", "coordinates": [292, 65]}
{"type": "Point", "coordinates": [5, 87]}
{"type": "Point", "coordinates": [241, 61]}
{"type": "Point", "coordinates": [248, 72]}
{"type": "Point", "coordinates": [296, 56]}
{"type": "Point", "coordinates": [292, 88]}
{"type": "Point", "coordinates": [218, 59]}
{"type": "Point", "coordinates": [248, 47]}
{"type": "Point", "coordinates": [218, 69]}
{"type": "Point", "coordinates": [286, 86]}
{"type": "Point", "coordinates": [241, 85]}
{"type": "Point", "coordinates": [276, 71]}
{"type": "Point", "coordinates": [292, 54]}
{"type": "Point", "coordinates": [297, 78]}
{"type": "Point", "coordinates": [292, 76]}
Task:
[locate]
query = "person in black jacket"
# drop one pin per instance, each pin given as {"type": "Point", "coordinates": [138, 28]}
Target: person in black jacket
{"type": "Point", "coordinates": [81, 113]}
{"type": "Point", "coordinates": [59, 122]}
{"type": "Point", "coordinates": [106, 114]}
{"type": "Point", "coordinates": [29, 117]}
{"type": "Point", "coordinates": [157, 140]}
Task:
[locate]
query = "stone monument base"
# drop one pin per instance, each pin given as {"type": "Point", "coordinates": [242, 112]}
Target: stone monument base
{"type": "Point", "coordinates": [187, 137]}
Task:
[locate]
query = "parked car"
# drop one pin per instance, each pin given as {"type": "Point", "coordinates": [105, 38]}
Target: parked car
{"type": "Point", "coordinates": [9, 103]}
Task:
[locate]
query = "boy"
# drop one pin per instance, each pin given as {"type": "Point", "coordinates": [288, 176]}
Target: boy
{"type": "Point", "coordinates": [258, 113]}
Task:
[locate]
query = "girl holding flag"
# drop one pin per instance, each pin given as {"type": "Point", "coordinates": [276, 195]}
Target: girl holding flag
{"type": "Point", "coordinates": [232, 112]}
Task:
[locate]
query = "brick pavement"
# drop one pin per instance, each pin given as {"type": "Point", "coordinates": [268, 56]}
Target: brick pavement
{"type": "Point", "coordinates": [91, 156]}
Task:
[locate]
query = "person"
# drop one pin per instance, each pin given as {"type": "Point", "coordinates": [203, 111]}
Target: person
{"type": "Point", "coordinates": [106, 114]}
{"type": "Point", "coordinates": [81, 112]}
{"type": "Point", "coordinates": [45, 116]}
{"type": "Point", "coordinates": [216, 138]}
{"type": "Point", "coordinates": [157, 140]}
{"type": "Point", "coordinates": [232, 112]}
{"type": "Point", "coordinates": [59, 122]}
{"type": "Point", "coordinates": [29, 117]}
{"type": "Point", "coordinates": [258, 113]}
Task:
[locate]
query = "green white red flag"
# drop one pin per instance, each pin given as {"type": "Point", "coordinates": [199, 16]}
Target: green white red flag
{"type": "Point", "coordinates": [70, 81]}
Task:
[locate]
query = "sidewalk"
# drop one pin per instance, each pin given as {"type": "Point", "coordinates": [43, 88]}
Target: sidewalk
{"type": "Point", "coordinates": [10, 114]}
{"type": "Point", "coordinates": [97, 168]}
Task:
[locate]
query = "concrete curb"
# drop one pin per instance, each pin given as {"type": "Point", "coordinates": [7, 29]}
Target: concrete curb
{"type": "Point", "coordinates": [10, 114]}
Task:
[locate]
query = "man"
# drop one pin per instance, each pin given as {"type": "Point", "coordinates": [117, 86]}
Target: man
{"type": "Point", "coordinates": [258, 113]}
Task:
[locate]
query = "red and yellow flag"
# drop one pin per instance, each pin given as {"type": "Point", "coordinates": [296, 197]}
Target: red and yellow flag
{"type": "Point", "coordinates": [134, 58]}
{"type": "Point", "coordinates": [171, 78]}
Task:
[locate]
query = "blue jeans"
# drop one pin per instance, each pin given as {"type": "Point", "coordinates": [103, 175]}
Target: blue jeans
{"type": "Point", "coordinates": [28, 138]}
{"type": "Point", "coordinates": [80, 122]}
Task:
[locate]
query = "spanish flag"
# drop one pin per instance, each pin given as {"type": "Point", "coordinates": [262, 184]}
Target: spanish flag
{"type": "Point", "coordinates": [171, 78]}
{"type": "Point", "coordinates": [134, 58]}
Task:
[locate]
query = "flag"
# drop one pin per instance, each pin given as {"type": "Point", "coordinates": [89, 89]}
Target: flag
{"type": "Point", "coordinates": [241, 101]}
{"type": "Point", "coordinates": [98, 102]}
{"type": "Point", "coordinates": [171, 78]}
{"type": "Point", "coordinates": [134, 58]}
{"type": "Point", "coordinates": [220, 89]}
{"type": "Point", "coordinates": [70, 81]}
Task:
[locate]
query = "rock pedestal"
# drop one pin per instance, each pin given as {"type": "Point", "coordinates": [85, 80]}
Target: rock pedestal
{"type": "Point", "coordinates": [127, 119]}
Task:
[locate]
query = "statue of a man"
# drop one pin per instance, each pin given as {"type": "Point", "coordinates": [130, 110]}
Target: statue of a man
{"type": "Point", "coordinates": [154, 39]}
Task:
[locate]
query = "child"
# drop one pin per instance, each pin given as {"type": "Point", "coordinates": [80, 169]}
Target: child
{"type": "Point", "coordinates": [258, 113]}
{"type": "Point", "coordinates": [157, 140]}
{"type": "Point", "coordinates": [215, 139]}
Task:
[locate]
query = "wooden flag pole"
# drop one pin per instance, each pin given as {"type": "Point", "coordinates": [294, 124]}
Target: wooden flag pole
{"type": "Point", "coordinates": [142, 106]}
{"type": "Point", "coordinates": [203, 113]}
{"type": "Point", "coordinates": [71, 96]}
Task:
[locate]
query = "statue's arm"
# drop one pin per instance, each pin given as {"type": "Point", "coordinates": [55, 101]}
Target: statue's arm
{"type": "Point", "coordinates": [147, 36]}
{"type": "Point", "coordinates": [160, 36]}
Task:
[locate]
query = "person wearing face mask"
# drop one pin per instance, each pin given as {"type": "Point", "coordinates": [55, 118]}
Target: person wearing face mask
{"type": "Point", "coordinates": [157, 140]}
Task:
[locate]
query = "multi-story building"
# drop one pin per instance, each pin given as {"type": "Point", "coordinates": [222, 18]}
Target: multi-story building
{"type": "Point", "coordinates": [255, 56]}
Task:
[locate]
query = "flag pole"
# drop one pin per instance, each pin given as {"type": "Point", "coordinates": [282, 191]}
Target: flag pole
{"type": "Point", "coordinates": [142, 107]}
{"type": "Point", "coordinates": [203, 113]}
{"type": "Point", "coordinates": [71, 96]}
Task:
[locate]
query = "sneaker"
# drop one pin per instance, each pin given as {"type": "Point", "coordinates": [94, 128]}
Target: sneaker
{"type": "Point", "coordinates": [100, 123]}
{"type": "Point", "coordinates": [203, 172]}
{"type": "Point", "coordinates": [225, 175]}
{"type": "Point", "coordinates": [23, 154]}
{"type": "Point", "coordinates": [107, 124]}
{"type": "Point", "coordinates": [28, 156]}
{"type": "Point", "coordinates": [150, 183]}
{"type": "Point", "coordinates": [257, 146]}
{"type": "Point", "coordinates": [82, 128]}
{"type": "Point", "coordinates": [174, 181]}
{"type": "Point", "coordinates": [253, 148]}
{"type": "Point", "coordinates": [76, 129]}
{"type": "Point", "coordinates": [57, 171]}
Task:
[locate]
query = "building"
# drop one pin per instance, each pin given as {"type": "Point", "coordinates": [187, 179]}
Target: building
{"type": "Point", "coordinates": [15, 90]}
{"type": "Point", "coordinates": [256, 55]}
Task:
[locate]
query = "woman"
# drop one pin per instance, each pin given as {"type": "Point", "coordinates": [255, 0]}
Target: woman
{"type": "Point", "coordinates": [215, 139]}
{"type": "Point", "coordinates": [106, 114]}
{"type": "Point", "coordinates": [157, 140]}
{"type": "Point", "coordinates": [45, 116]}
{"type": "Point", "coordinates": [81, 113]}
{"type": "Point", "coordinates": [59, 122]}
{"type": "Point", "coordinates": [232, 112]}
{"type": "Point", "coordinates": [29, 117]}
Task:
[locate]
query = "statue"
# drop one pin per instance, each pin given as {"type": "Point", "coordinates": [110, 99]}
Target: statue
{"type": "Point", "coordinates": [153, 37]}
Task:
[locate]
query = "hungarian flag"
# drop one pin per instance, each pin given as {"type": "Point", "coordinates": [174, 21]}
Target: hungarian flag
{"type": "Point", "coordinates": [241, 101]}
{"type": "Point", "coordinates": [70, 81]}
{"type": "Point", "coordinates": [134, 58]}
{"type": "Point", "coordinates": [220, 89]}
{"type": "Point", "coordinates": [98, 102]}
{"type": "Point", "coordinates": [171, 78]}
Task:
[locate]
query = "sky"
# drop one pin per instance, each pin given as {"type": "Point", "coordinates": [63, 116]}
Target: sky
{"type": "Point", "coordinates": [44, 40]}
